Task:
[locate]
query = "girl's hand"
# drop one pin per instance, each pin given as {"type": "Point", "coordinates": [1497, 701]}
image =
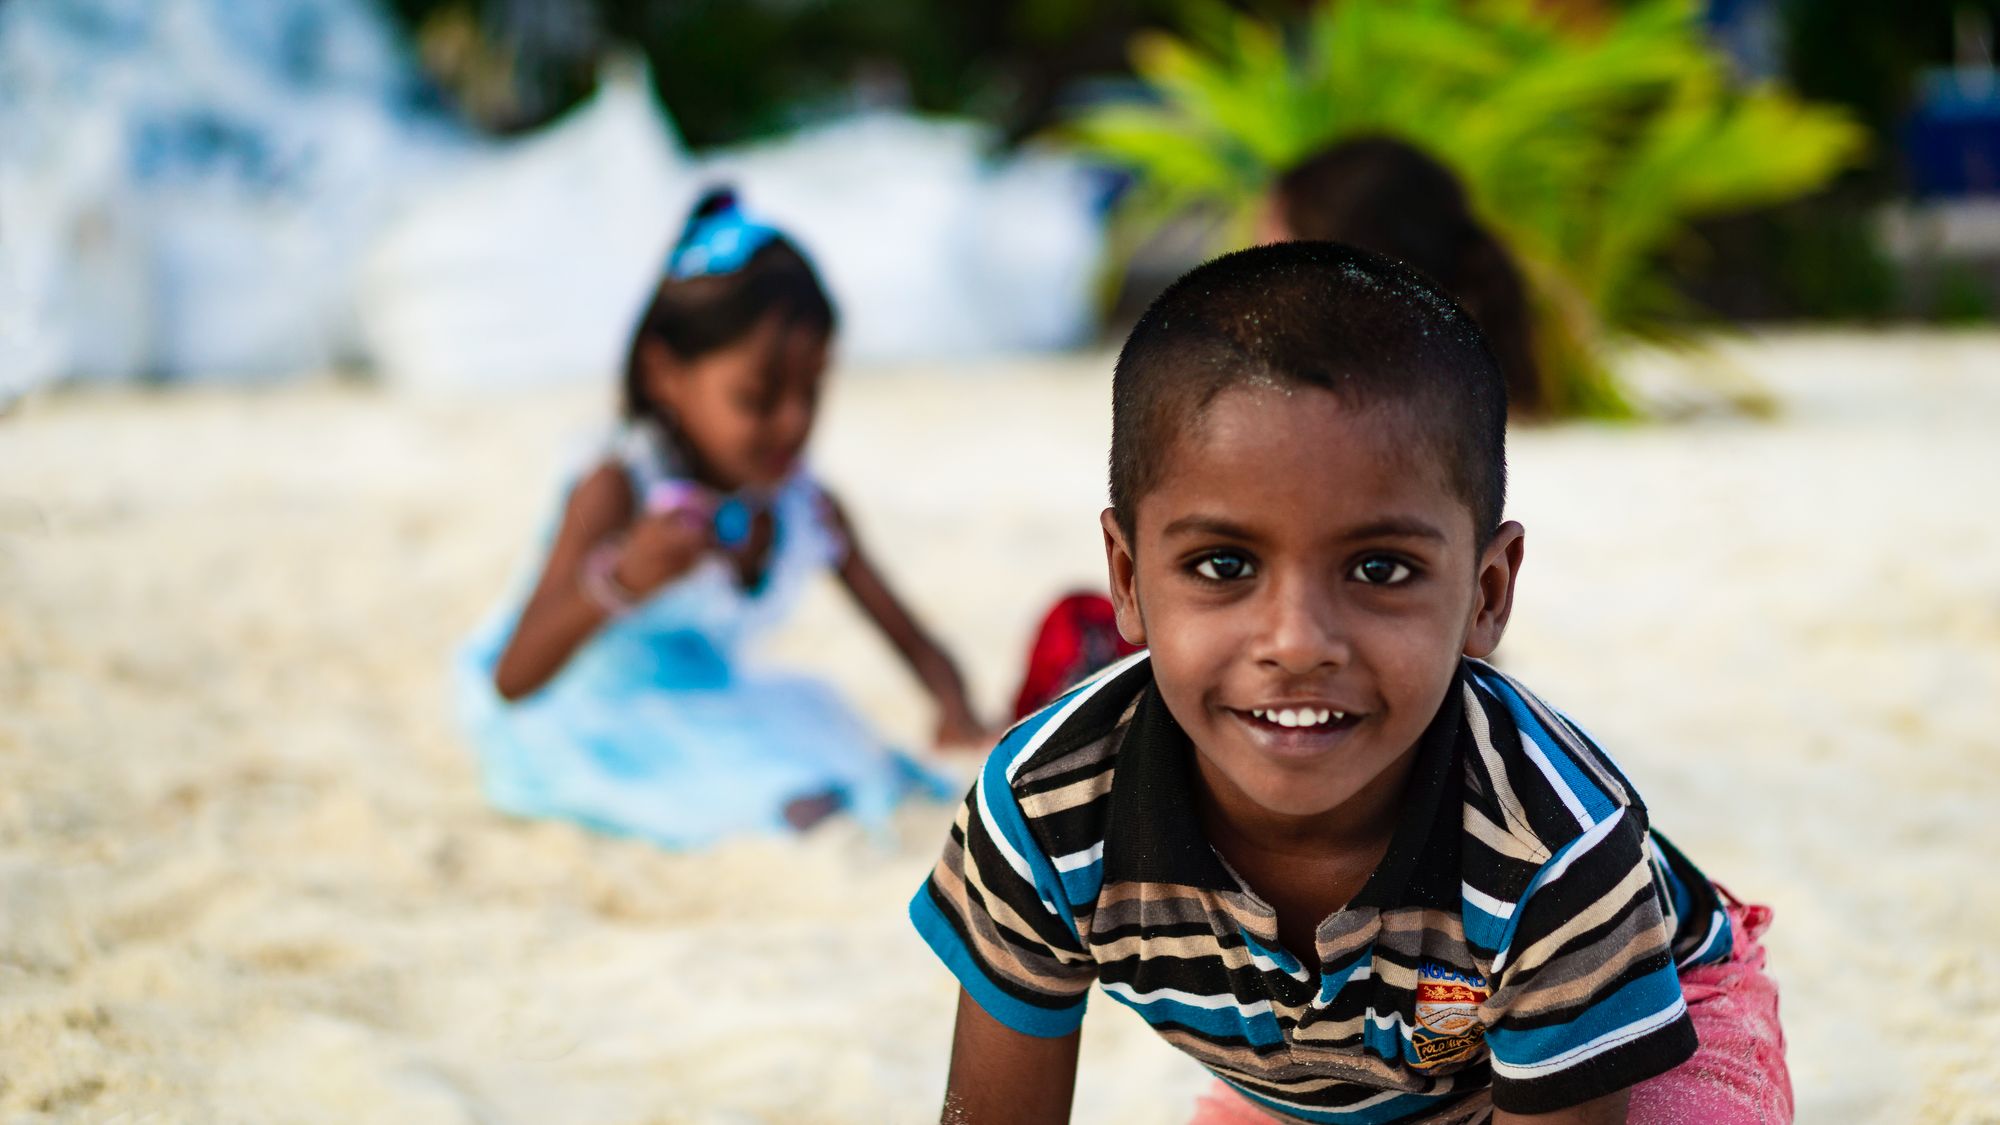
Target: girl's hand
{"type": "Point", "coordinates": [660, 547]}
{"type": "Point", "coordinates": [958, 730]}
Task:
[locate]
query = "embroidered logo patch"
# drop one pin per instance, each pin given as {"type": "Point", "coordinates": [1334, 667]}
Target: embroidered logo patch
{"type": "Point", "coordinates": [1448, 1027]}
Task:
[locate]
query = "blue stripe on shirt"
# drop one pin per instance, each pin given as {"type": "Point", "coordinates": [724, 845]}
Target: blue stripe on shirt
{"type": "Point", "coordinates": [1596, 803]}
{"type": "Point", "coordinates": [997, 802]}
{"type": "Point", "coordinates": [1638, 1001]}
{"type": "Point", "coordinates": [1028, 1019]}
{"type": "Point", "coordinates": [1229, 1022]}
{"type": "Point", "coordinates": [1389, 1109]}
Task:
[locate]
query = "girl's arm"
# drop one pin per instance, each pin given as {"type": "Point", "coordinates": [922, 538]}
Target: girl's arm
{"type": "Point", "coordinates": [999, 1075]}
{"type": "Point", "coordinates": [559, 616]}
{"type": "Point", "coordinates": [1607, 1110]}
{"type": "Point", "coordinates": [957, 726]}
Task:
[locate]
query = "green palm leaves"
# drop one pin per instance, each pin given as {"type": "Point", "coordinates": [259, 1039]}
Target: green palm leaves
{"type": "Point", "coordinates": [1588, 150]}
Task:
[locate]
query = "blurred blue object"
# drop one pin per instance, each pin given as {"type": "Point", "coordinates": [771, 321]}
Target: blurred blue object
{"type": "Point", "coordinates": [204, 189]}
{"type": "Point", "coordinates": [933, 243]}
{"type": "Point", "coordinates": [1951, 140]}
{"type": "Point", "coordinates": [1751, 33]}
{"type": "Point", "coordinates": [187, 186]}
{"type": "Point", "coordinates": [733, 520]}
{"type": "Point", "coordinates": [201, 144]}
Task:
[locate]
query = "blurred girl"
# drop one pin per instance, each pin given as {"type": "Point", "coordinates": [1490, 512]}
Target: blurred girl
{"type": "Point", "coordinates": [615, 696]}
{"type": "Point", "coordinates": [1385, 196]}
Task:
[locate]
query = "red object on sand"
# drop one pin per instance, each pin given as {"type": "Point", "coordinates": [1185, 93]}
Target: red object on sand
{"type": "Point", "coordinates": [1078, 636]}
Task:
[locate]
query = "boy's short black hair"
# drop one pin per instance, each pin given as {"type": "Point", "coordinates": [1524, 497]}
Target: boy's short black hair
{"type": "Point", "coordinates": [1318, 314]}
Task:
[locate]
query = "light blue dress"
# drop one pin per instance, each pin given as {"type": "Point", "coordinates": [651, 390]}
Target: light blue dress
{"type": "Point", "coordinates": [655, 728]}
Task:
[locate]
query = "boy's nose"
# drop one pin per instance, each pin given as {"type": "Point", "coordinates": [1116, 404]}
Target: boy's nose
{"type": "Point", "coordinates": [1302, 630]}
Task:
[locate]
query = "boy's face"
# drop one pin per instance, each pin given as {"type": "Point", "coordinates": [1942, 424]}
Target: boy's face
{"type": "Point", "coordinates": [1298, 559]}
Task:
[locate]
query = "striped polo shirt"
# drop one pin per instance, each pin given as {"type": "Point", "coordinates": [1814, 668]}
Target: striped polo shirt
{"type": "Point", "coordinates": [1517, 947]}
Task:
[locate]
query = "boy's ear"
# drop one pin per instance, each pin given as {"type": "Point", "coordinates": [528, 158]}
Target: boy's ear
{"type": "Point", "coordinates": [1124, 589]}
{"type": "Point", "coordinates": [1499, 566]}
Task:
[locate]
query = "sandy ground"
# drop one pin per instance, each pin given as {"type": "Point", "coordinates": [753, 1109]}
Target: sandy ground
{"type": "Point", "coordinates": [246, 875]}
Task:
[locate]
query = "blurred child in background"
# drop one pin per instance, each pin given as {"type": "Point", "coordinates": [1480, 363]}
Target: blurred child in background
{"type": "Point", "coordinates": [615, 695]}
{"type": "Point", "coordinates": [1387, 197]}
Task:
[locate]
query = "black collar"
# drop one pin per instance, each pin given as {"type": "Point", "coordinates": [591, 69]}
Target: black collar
{"type": "Point", "coordinates": [1421, 867]}
{"type": "Point", "coordinates": [1154, 830]}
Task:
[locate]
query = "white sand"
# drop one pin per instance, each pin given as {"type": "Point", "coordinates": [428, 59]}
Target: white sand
{"type": "Point", "coordinates": [246, 875]}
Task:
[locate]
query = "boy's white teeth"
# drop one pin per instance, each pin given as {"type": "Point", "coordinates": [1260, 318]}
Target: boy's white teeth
{"type": "Point", "coordinates": [1300, 716]}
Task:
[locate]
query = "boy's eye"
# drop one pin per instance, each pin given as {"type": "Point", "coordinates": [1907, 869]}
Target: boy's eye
{"type": "Point", "coordinates": [1223, 566]}
{"type": "Point", "coordinates": [1380, 570]}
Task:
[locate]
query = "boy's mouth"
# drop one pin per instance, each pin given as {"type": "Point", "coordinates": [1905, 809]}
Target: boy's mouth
{"type": "Point", "coordinates": [1296, 717]}
{"type": "Point", "coordinates": [1297, 726]}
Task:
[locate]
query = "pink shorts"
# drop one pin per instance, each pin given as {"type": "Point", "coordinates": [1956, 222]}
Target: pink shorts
{"type": "Point", "coordinates": [1736, 1077]}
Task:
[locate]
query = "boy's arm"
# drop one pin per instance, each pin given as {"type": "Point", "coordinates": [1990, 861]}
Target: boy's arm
{"type": "Point", "coordinates": [998, 915]}
{"type": "Point", "coordinates": [1607, 1110]}
{"type": "Point", "coordinates": [999, 1075]}
{"type": "Point", "coordinates": [957, 726]}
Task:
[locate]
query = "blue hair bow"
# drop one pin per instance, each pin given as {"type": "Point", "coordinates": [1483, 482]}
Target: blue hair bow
{"type": "Point", "coordinates": [719, 241]}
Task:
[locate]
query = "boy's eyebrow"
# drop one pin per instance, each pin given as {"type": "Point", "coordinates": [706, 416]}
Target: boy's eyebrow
{"type": "Point", "coordinates": [1396, 527]}
{"type": "Point", "coordinates": [1391, 527]}
{"type": "Point", "coordinates": [1206, 525]}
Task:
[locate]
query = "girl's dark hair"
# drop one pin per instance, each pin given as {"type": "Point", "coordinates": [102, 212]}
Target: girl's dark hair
{"type": "Point", "coordinates": [694, 316]}
{"type": "Point", "coordinates": [1384, 196]}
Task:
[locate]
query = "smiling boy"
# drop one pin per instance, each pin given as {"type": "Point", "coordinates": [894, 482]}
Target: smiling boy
{"type": "Point", "coordinates": [1308, 835]}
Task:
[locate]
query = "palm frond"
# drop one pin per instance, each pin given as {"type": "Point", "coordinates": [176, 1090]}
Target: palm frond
{"type": "Point", "coordinates": [1589, 152]}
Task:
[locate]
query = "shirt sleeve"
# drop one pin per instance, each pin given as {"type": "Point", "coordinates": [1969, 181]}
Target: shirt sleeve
{"type": "Point", "coordinates": [1586, 999]}
{"type": "Point", "coordinates": [994, 912]}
